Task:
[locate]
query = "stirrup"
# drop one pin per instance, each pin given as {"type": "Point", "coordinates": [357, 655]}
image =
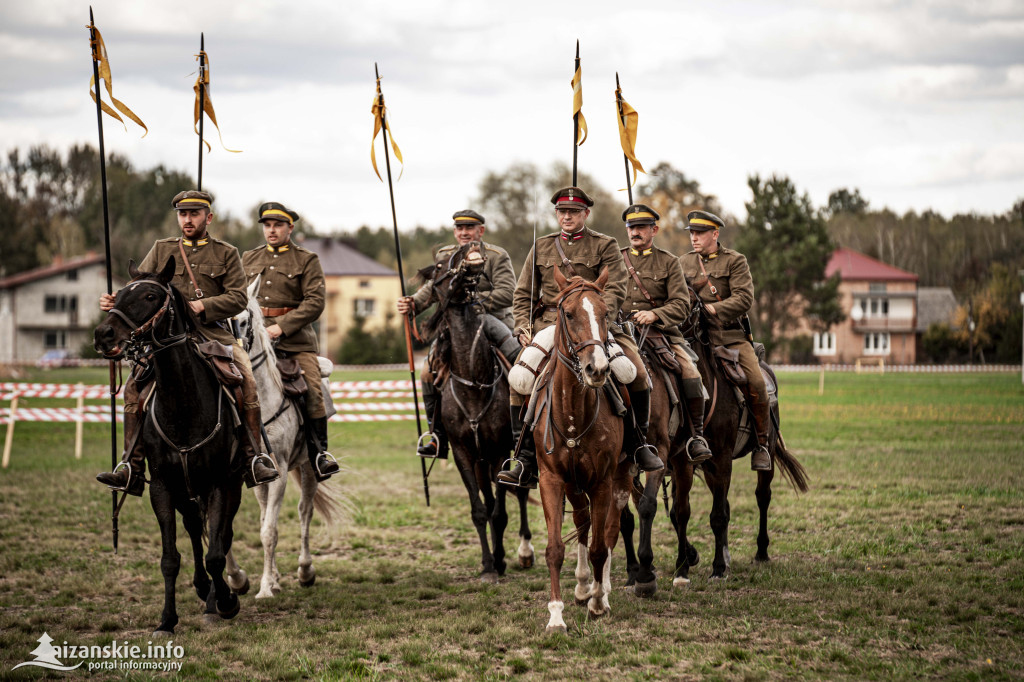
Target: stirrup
{"type": "Point", "coordinates": [421, 446]}
{"type": "Point", "coordinates": [764, 449]}
{"type": "Point", "coordinates": [515, 482]}
{"type": "Point", "coordinates": [320, 475]}
{"type": "Point", "coordinates": [251, 481]}
{"type": "Point", "coordinates": [699, 459]}
{"type": "Point", "coordinates": [647, 448]}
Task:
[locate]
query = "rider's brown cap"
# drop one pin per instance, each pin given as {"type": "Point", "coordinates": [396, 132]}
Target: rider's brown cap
{"type": "Point", "coordinates": [275, 211]}
{"type": "Point", "coordinates": [192, 198]}
{"type": "Point", "coordinates": [467, 217]}
{"type": "Point", "coordinates": [571, 197]}
{"type": "Point", "coordinates": [640, 214]}
{"type": "Point", "coordinates": [702, 221]}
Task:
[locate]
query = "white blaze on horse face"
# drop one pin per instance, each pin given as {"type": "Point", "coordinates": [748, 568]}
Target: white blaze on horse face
{"type": "Point", "coordinates": [600, 359]}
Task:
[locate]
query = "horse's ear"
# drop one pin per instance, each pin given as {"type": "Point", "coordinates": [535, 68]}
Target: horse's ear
{"type": "Point", "coordinates": [602, 279]}
{"type": "Point", "coordinates": [167, 272]}
{"type": "Point", "coordinates": [423, 274]}
{"type": "Point", "coordinates": [133, 270]}
{"type": "Point", "coordinates": [254, 287]}
{"type": "Point", "coordinates": [560, 280]}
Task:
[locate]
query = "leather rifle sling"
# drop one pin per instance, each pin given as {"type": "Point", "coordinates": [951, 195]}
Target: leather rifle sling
{"type": "Point", "coordinates": [188, 269]}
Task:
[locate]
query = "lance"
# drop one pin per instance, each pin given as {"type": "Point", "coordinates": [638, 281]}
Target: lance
{"type": "Point", "coordinates": [576, 118]}
{"type": "Point", "coordinates": [202, 104]}
{"type": "Point", "coordinates": [110, 280]}
{"type": "Point", "coordinates": [401, 281]}
{"type": "Point", "coordinates": [622, 117]}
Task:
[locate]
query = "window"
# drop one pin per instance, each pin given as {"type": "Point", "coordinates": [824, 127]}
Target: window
{"type": "Point", "coordinates": [364, 284]}
{"type": "Point", "coordinates": [55, 339]}
{"type": "Point", "coordinates": [825, 343]}
{"type": "Point", "coordinates": [72, 275]}
{"type": "Point", "coordinates": [876, 287]}
{"type": "Point", "coordinates": [60, 304]}
{"type": "Point", "coordinates": [876, 344]}
{"type": "Point", "coordinates": [873, 307]}
{"type": "Point", "coordinates": [364, 307]}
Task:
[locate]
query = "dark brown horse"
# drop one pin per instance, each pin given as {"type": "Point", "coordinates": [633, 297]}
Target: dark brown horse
{"type": "Point", "coordinates": [474, 403]}
{"type": "Point", "coordinates": [578, 434]}
{"type": "Point", "coordinates": [722, 430]}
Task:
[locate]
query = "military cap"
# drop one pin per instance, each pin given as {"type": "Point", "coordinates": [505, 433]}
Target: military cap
{"type": "Point", "coordinates": [275, 211]}
{"type": "Point", "coordinates": [467, 217]}
{"type": "Point", "coordinates": [702, 221]}
{"type": "Point", "coordinates": [640, 214]}
{"type": "Point", "coordinates": [571, 197]}
{"type": "Point", "coordinates": [192, 198]}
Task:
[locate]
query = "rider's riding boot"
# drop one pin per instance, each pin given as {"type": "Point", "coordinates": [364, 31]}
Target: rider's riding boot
{"type": "Point", "coordinates": [323, 462]}
{"type": "Point", "coordinates": [524, 473]}
{"type": "Point", "coordinates": [434, 443]}
{"type": "Point", "coordinates": [259, 468]}
{"type": "Point", "coordinates": [645, 456]}
{"type": "Point", "coordinates": [697, 449]}
{"type": "Point", "coordinates": [129, 475]}
{"type": "Point", "coordinates": [760, 458]}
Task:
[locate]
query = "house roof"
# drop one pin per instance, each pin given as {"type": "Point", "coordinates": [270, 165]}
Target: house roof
{"type": "Point", "coordinates": [338, 258]}
{"type": "Point", "coordinates": [935, 305]}
{"type": "Point", "coordinates": [853, 265]}
{"type": "Point", "coordinates": [58, 267]}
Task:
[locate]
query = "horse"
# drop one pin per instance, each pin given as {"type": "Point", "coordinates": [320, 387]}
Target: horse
{"type": "Point", "coordinates": [721, 429]}
{"type": "Point", "coordinates": [578, 435]}
{"type": "Point", "coordinates": [475, 404]}
{"type": "Point", "coordinates": [282, 418]}
{"type": "Point", "coordinates": [187, 435]}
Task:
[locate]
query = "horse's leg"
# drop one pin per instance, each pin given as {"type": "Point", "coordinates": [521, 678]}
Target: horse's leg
{"type": "Point", "coordinates": [581, 520]}
{"type": "Point", "coordinates": [270, 496]}
{"type": "Point", "coordinates": [307, 486]}
{"type": "Point", "coordinates": [719, 483]}
{"type": "Point", "coordinates": [478, 512]}
{"type": "Point", "coordinates": [604, 516]}
{"type": "Point", "coordinates": [495, 502]}
{"type": "Point", "coordinates": [552, 493]}
{"type": "Point", "coordinates": [526, 553]}
{"type": "Point", "coordinates": [627, 524]}
{"type": "Point", "coordinates": [763, 493]}
{"type": "Point", "coordinates": [170, 559]}
{"type": "Point", "coordinates": [221, 508]}
{"type": "Point", "coordinates": [682, 482]}
{"type": "Point", "coordinates": [193, 522]}
{"type": "Point", "coordinates": [647, 509]}
{"type": "Point", "coordinates": [238, 579]}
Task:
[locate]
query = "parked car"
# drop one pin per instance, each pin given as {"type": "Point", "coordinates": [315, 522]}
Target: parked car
{"type": "Point", "coordinates": [58, 357]}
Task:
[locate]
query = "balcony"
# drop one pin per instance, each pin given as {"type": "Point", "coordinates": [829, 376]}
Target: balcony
{"type": "Point", "coordinates": [896, 325]}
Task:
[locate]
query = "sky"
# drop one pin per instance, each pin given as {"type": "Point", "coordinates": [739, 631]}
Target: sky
{"type": "Point", "coordinates": [917, 104]}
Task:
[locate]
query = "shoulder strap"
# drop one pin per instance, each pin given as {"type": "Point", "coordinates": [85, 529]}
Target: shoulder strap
{"type": "Point", "coordinates": [636, 278]}
{"type": "Point", "coordinates": [188, 268]}
{"type": "Point", "coordinates": [700, 261]}
{"type": "Point", "coordinates": [561, 253]}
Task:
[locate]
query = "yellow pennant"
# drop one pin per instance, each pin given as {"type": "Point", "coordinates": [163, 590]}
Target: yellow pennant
{"type": "Point", "coordinates": [207, 108]}
{"type": "Point", "coordinates": [577, 104]}
{"type": "Point", "coordinates": [627, 132]}
{"type": "Point", "coordinates": [99, 54]}
{"type": "Point", "coordinates": [380, 121]}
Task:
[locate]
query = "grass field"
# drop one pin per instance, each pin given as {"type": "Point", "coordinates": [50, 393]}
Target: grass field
{"type": "Point", "coordinates": [905, 560]}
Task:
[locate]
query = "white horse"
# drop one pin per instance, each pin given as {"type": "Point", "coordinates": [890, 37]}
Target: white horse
{"type": "Point", "coordinates": [282, 419]}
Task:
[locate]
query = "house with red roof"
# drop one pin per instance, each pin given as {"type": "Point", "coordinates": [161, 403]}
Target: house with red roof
{"type": "Point", "coordinates": [880, 302]}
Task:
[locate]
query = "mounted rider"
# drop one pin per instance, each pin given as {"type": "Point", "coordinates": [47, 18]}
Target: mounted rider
{"type": "Point", "coordinates": [208, 274]}
{"type": "Point", "coordinates": [575, 250]}
{"type": "Point", "coordinates": [494, 292]}
{"type": "Point", "coordinates": [291, 297]}
{"type": "Point", "coordinates": [721, 278]}
{"type": "Point", "coordinates": [657, 296]}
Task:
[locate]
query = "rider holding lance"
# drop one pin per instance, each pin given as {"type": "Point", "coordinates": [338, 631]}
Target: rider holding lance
{"type": "Point", "coordinates": [494, 291]}
{"type": "Point", "coordinates": [721, 278]}
{"type": "Point", "coordinates": [657, 295]}
{"type": "Point", "coordinates": [576, 250]}
{"type": "Point", "coordinates": [291, 297]}
{"type": "Point", "coordinates": [216, 294]}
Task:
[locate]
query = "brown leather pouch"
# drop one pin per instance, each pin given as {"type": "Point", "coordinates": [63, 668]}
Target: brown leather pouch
{"type": "Point", "coordinates": [220, 356]}
{"type": "Point", "coordinates": [730, 362]}
{"type": "Point", "coordinates": [291, 376]}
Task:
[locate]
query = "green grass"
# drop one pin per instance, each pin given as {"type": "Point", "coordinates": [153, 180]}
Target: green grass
{"type": "Point", "coordinates": [905, 560]}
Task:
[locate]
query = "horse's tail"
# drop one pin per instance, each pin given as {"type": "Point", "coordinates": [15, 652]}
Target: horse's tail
{"type": "Point", "coordinates": [791, 469]}
{"type": "Point", "coordinates": [329, 501]}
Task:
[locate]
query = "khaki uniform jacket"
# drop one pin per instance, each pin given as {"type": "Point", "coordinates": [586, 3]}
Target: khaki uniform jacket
{"type": "Point", "coordinates": [289, 278]}
{"type": "Point", "coordinates": [588, 255]}
{"type": "Point", "coordinates": [497, 282]}
{"type": "Point", "coordinates": [218, 272]}
{"type": "Point", "coordinates": [662, 277]}
{"type": "Point", "coordinates": [729, 272]}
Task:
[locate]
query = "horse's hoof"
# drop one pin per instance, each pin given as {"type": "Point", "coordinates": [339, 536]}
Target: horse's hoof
{"type": "Point", "coordinates": [526, 561]}
{"type": "Point", "coordinates": [645, 590]}
{"type": "Point", "coordinates": [232, 609]}
{"type": "Point", "coordinates": [264, 595]}
{"type": "Point", "coordinates": [762, 558]}
{"type": "Point", "coordinates": [630, 581]}
{"type": "Point", "coordinates": [581, 602]}
{"type": "Point", "coordinates": [212, 619]}
{"type": "Point", "coordinates": [308, 583]}
{"type": "Point", "coordinates": [490, 577]}
{"type": "Point", "coordinates": [243, 589]}
{"type": "Point", "coordinates": [597, 614]}
{"type": "Point", "coordinates": [723, 576]}
{"type": "Point", "coordinates": [163, 633]}
{"type": "Point", "coordinates": [681, 582]}
{"type": "Point", "coordinates": [555, 630]}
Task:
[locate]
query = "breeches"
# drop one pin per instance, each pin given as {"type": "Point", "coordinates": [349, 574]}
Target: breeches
{"type": "Point", "coordinates": [315, 395]}
{"type": "Point", "coordinates": [686, 362]}
{"type": "Point", "coordinates": [748, 361]}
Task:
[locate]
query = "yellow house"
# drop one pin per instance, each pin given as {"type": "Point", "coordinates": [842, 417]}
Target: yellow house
{"type": "Point", "coordinates": [357, 286]}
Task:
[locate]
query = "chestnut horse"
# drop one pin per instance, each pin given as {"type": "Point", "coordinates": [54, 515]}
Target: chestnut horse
{"type": "Point", "coordinates": [578, 435]}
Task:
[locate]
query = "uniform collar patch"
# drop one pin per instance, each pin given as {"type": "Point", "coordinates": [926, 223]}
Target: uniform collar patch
{"type": "Point", "coordinates": [278, 249]}
{"type": "Point", "coordinates": [199, 242]}
{"type": "Point", "coordinates": [572, 236]}
{"type": "Point", "coordinates": [645, 252]}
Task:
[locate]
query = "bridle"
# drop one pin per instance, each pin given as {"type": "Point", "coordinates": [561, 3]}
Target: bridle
{"type": "Point", "coordinates": [572, 360]}
{"type": "Point", "coordinates": [136, 339]}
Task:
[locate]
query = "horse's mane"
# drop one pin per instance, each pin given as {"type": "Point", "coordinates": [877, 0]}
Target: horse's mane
{"type": "Point", "coordinates": [259, 330]}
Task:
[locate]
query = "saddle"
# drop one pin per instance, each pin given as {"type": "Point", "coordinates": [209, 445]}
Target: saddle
{"type": "Point", "coordinates": [221, 359]}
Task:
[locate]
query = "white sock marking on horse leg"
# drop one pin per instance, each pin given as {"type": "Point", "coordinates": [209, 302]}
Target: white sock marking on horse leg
{"type": "Point", "coordinates": [584, 582]}
{"type": "Point", "coordinates": [680, 581]}
{"type": "Point", "coordinates": [555, 608]}
{"type": "Point", "coordinates": [525, 548]}
{"type": "Point", "coordinates": [607, 581]}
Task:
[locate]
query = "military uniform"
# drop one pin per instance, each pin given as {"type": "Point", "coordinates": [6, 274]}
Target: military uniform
{"type": "Point", "coordinates": [729, 287]}
{"type": "Point", "coordinates": [494, 290]}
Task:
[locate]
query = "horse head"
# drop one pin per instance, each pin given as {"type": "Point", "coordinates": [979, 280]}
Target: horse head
{"type": "Point", "coordinates": [140, 312]}
{"type": "Point", "coordinates": [454, 280]}
{"type": "Point", "coordinates": [583, 326]}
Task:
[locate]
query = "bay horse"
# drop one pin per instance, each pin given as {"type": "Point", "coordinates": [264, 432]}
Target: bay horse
{"type": "Point", "coordinates": [722, 431]}
{"type": "Point", "coordinates": [282, 416]}
{"type": "Point", "coordinates": [475, 403]}
{"type": "Point", "coordinates": [578, 433]}
{"type": "Point", "coordinates": [188, 435]}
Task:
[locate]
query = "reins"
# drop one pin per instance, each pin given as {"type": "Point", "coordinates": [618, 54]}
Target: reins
{"type": "Point", "coordinates": [149, 326]}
